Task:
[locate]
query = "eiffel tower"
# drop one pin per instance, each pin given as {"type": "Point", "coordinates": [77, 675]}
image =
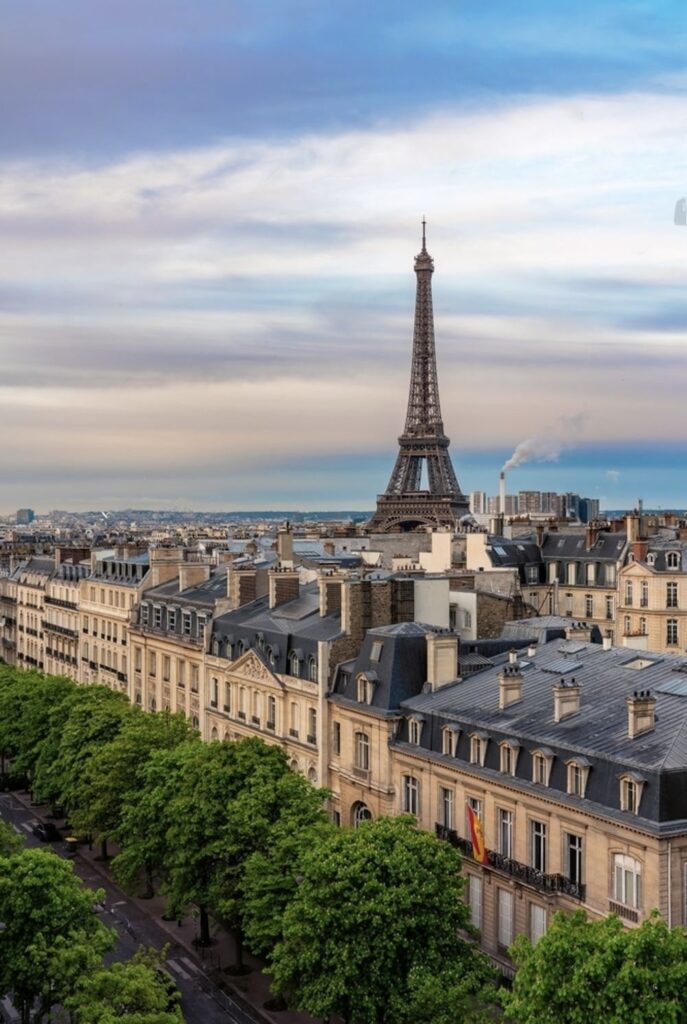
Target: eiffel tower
{"type": "Point", "coordinates": [407, 504]}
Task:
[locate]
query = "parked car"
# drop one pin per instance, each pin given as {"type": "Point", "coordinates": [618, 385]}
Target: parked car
{"type": "Point", "coordinates": [46, 831]}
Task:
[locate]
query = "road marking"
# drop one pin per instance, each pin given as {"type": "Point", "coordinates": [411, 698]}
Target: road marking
{"type": "Point", "coordinates": [178, 969]}
{"type": "Point", "coordinates": [16, 829]}
{"type": "Point", "coordinates": [190, 964]}
{"type": "Point", "coordinates": [28, 825]}
{"type": "Point", "coordinates": [11, 1012]}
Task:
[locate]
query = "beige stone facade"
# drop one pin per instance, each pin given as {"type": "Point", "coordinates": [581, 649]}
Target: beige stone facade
{"type": "Point", "coordinates": [652, 607]}
{"type": "Point", "coordinates": [8, 619]}
{"type": "Point", "coordinates": [62, 623]}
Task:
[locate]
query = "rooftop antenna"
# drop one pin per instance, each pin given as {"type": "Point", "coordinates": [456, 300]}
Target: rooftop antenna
{"type": "Point", "coordinates": [424, 224]}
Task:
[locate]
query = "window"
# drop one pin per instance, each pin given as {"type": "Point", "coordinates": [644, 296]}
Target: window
{"type": "Point", "coordinates": [410, 793]}
{"type": "Point", "coordinates": [312, 725]}
{"type": "Point", "coordinates": [673, 560]}
{"type": "Point", "coordinates": [187, 624]}
{"type": "Point", "coordinates": [628, 592]}
{"type": "Point", "coordinates": [589, 606]}
{"type": "Point", "coordinates": [627, 626]}
{"type": "Point", "coordinates": [671, 632]}
{"type": "Point", "coordinates": [552, 574]}
{"type": "Point", "coordinates": [172, 619]}
{"type": "Point", "coordinates": [505, 918]}
{"type": "Point", "coordinates": [227, 697]}
{"type": "Point", "coordinates": [194, 678]}
{"type": "Point", "coordinates": [538, 845]}
{"type": "Point", "coordinates": [166, 667]}
{"type": "Point", "coordinates": [364, 690]}
{"type": "Point", "coordinates": [505, 832]}
{"type": "Point", "coordinates": [414, 731]}
{"type": "Point", "coordinates": [92, 596]}
{"type": "Point", "coordinates": [152, 663]}
{"type": "Point", "coordinates": [509, 756]}
{"type": "Point", "coordinates": [642, 626]}
{"type": "Point", "coordinates": [271, 713]}
{"type": "Point", "coordinates": [630, 793]}
{"type": "Point", "coordinates": [474, 895]}
{"type": "Point", "coordinates": [577, 778]}
{"type": "Point", "coordinates": [448, 741]}
{"type": "Point", "coordinates": [85, 623]}
{"type": "Point", "coordinates": [475, 804]}
{"type": "Point", "coordinates": [541, 768]}
{"type": "Point", "coordinates": [671, 594]}
{"type": "Point", "coordinates": [478, 749]}
{"type": "Point", "coordinates": [376, 650]}
{"type": "Point", "coordinates": [537, 923]}
{"type": "Point", "coordinates": [157, 617]}
{"type": "Point", "coordinates": [214, 692]}
{"type": "Point", "coordinates": [362, 751]}
{"type": "Point", "coordinates": [651, 558]}
{"type": "Point", "coordinates": [336, 738]}
{"type": "Point", "coordinates": [571, 574]}
{"type": "Point", "coordinates": [627, 880]}
{"type": "Point", "coordinates": [609, 607]}
{"type": "Point", "coordinates": [255, 707]}
{"type": "Point", "coordinates": [573, 857]}
{"type": "Point", "coordinates": [242, 702]}
{"type": "Point", "coordinates": [312, 670]}
{"type": "Point", "coordinates": [610, 575]}
{"type": "Point", "coordinates": [360, 814]}
{"type": "Point", "coordinates": [294, 720]}
{"type": "Point", "coordinates": [446, 800]}
{"type": "Point", "coordinates": [181, 672]}
{"type": "Point", "coordinates": [137, 658]}
{"type": "Point", "coordinates": [294, 664]}
{"type": "Point", "coordinates": [590, 574]}
{"type": "Point", "coordinates": [644, 594]}
{"type": "Point", "coordinates": [532, 574]}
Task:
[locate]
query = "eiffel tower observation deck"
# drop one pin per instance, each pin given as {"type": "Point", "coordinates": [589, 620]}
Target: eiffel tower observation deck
{"type": "Point", "coordinates": [423, 490]}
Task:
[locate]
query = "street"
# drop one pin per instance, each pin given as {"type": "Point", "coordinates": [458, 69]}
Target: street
{"type": "Point", "coordinates": [202, 1001]}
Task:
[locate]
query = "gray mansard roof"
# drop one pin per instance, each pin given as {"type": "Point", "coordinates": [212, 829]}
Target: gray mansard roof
{"type": "Point", "coordinates": [565, 547]}
{"type": "Point", "coordinates": [598, 732]}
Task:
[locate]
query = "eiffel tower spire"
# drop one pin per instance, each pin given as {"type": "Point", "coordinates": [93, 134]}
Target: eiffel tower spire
{"type": "Point", "coordinates": [408, 503]}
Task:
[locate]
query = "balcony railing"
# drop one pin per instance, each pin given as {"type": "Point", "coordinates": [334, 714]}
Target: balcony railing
{"type": "Point", "coordinates": [628, 913]}
{"type": "Point", "coordinates": [520, 872]}
{"type": "Point", "coordinates": [62, 630]}
{"type": "Point", "coordinates": [60, 603]}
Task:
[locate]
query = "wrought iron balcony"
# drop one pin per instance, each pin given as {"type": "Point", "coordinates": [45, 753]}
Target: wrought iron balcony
{"type": "Point", "coordinates": [60, 603]}
{"type": "Point", "coordinates": [520, 872]}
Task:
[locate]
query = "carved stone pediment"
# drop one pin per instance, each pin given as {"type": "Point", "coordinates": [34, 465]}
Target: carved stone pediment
{"type": "Point", "coordinates": [250, 666]}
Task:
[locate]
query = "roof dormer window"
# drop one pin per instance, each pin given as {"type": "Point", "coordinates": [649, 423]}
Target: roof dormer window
{"type": "Point", "coordinates": [542, 760]}
{"type": "Point", "coordinates": [415, 730]}
{"type": "Point", "coordinates": [673, 560]}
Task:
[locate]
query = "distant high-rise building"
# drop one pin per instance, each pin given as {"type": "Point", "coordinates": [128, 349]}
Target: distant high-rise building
{"type": "Point", "coordinates": [478, 502]}
{"type": "Point", "coordinates": [550, 503]}
{"type": "Point", "coordinates": [589, 509]}
{"type": "Point", "coordinates": [25, 516]}
{"type": "Point", "coordinates": [570, 505]}
{"type": "Point", "coordinates": [529, 502]}
{"type": "Point", "coordinates": [511, 509]}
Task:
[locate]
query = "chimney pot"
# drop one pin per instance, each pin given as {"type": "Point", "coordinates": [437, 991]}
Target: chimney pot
{"type": "Point", "coordinates": [641, 713]}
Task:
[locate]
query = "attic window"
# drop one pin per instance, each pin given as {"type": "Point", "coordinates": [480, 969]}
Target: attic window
{"type": "Point", "coordinates": [376, 652]}
{"type": "Point", "coordinates": [673, 560]}
{"type": "Point", "coordinates": [651, 558]}
{"type": "Point", "coordinates": [639, 663]}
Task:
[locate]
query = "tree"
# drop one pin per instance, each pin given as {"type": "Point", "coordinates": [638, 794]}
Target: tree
{"type": "Point", "coordinates": [29, 703]}
{"type": "Point", "coordinates": [582, 971]}
{"type": "Point", "coordinates": [51, 936]}
{"type": "Point", "coordinates": [374, 904]}
{"type": "Point", "coordinates": [464, 991]}
{"type": "Point", "coordinates": [136, 992]}
{"type": "Point", "coordinates": [115, 772]}
{"type": "Point", "coordinates": [10, 842]}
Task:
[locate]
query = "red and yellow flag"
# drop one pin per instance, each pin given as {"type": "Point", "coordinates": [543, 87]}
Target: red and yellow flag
{"type": "Point", "coordinates": [479, 847]}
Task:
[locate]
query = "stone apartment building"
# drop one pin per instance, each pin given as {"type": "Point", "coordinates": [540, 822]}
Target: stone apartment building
{"type": "Point", "coordinates": [107, 598]}
{"type": "Point", "coordinates": [61, 622]}
{"type": "Point", "coordinates": [652, 596]}
{"type": "Point", "coordinates": [31, 579]}
{"type": "Point", "coordinates": [8, 619]}
{"type": "Point", "coordinates": [572, 754]}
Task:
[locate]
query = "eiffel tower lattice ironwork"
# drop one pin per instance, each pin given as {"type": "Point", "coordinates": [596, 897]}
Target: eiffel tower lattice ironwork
{"type": "Point", "coordinates": [410, 502]}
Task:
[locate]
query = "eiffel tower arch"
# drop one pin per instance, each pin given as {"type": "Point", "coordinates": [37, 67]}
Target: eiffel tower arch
{"type": "Point", "coordinates": [410, 501]}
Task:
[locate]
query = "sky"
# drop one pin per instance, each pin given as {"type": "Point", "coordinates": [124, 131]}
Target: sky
{"type": "Point", "coordinates": [209, 214]}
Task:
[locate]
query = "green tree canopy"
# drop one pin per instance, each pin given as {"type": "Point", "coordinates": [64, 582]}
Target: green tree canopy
{"type": "Point", "coordinates": [115, 771]}
{"type": "Point", "coordinates": [10, 842]}
{"type": "Point", "coordinates": [582, 971]}
{"type": "Point", "coordinates": [374, 904]}
{"type": "Point", "coordinates": [135, 992]}
{"type": "Point", "coordinates": [28, 703]}
{"type": "Point", "coordinates": [52, 936]}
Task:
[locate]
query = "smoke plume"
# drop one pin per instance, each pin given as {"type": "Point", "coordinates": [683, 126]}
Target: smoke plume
{"type": "Point", "coordinates": [546, 449]}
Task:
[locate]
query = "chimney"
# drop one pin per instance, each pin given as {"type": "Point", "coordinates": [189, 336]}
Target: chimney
{"type": "Point", "coordinates": [285, 547]}
{"type": "Point", "coordinates": [442, 658]}
{"type": "Point", "coordinates": [329, 584]}
{"type": "Point", "coordinates": [164, 564]}
{"type": "Point", "coordinates": [192, 573]}
{"type": "Point", "coordinates": [496, 525]}
{"type": "Point", "coordinates": [245, 585]}
{"type": "Point", "coordinates": [566, 699]}
{"type": "Point", "coordinates": [640, 549]}
{"type": "Point", "coordinates": [512, 656]}
{"type": "Point", "coordinates": [632, 527]}
{"type": "Point", "coordinates": [510, 685]}
{"type": "Point", "coordinates": [539, 532]}
{"type": "Point", "coordinates": [284, 585]}
{"type": "Point", "coordinates": [641, 713]}
{"type": "Point", "coordinates": [607, 642]}
{"type": "Point", "coordinates": [592, 535]}
{"type": "Point", "coordinates": [329, 548]}
{"type": "Point", "coordinates": [502, 493]}
{"type": "Point", "coordinates": [579, 631]}
{"type": "Point", "coordinates": [531, 650]}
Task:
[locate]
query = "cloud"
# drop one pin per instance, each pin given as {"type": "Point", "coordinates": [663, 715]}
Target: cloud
{"type": "Point", "coordinates": [613, 475]}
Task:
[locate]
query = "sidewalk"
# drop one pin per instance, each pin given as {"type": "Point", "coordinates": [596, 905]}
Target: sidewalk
{"type": "Point", "coordinates": [250, 990]}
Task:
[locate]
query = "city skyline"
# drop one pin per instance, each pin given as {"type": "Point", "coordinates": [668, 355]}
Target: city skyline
{"type": "Point", "coordinates": [208, 303]}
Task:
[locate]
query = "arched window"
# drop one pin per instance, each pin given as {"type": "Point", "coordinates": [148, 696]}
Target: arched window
{"type": "Point", "coordinates": [153, 704]}
{"type": "Point", "coordinates": [312, 776]}
{"type": "Point", "coordinates": [138, 698]}
{"type": "Point", "coordinates": [215, 645]}
{"type": "Point", "coordinates": [360, 812]}
{"type": "Point", "coordinates": [312, 670]}
{"type": "Point", "coordinates": [627, 880]}
{"type": "Point", "coordinates": [214, 735]}
{"type": "Point", "coordinates": [293, 764]}
{"type": "Point", "coordinates": [294, 664]}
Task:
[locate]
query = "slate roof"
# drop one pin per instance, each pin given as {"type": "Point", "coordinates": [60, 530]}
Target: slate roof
{"type": "Point", "coordinates": [608, 547]}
